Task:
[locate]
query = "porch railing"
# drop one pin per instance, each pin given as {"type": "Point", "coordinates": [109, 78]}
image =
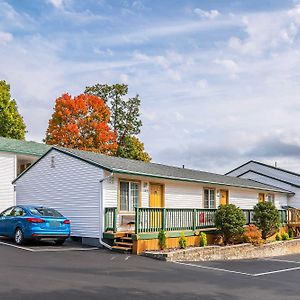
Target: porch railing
{"type": "Point", "coordinates": [175, 219]}
{"type": "Point", "coordinates": [110, 219]}
{"type": "Point", "coordinates": [293, 216]}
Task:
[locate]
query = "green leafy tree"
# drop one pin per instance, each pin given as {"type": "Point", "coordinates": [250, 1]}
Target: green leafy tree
{"type": "Point", "coordinates": [266, 218]}
{"type": "Point", "coordinates": [124, 117]}
{"type": "Point", "coordinates": [231, 221]}
{"type": "Point", "coordinates": [11, 122]}
{"type": "Point", "coordinates": [133, 148]}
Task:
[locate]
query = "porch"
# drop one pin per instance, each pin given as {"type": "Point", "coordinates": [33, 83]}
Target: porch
{"type": "Point", "coordinates": [153, 220]}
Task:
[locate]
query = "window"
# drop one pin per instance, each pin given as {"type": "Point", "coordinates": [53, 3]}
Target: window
{"type": "Point", "coordinates": [129, 195]}
{"type": "Point", "coordinates": [44, 211]}
{"type": "Point", "coordinates": [271, 198]}
{"type": "Point", "coordinates": [7, 212]}
{"type": "Point", "coordinates": [209, 198]}
{"type": "Point", "coordinates": [18, 212]}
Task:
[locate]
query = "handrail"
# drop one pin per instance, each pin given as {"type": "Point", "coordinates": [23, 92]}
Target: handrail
{"type": "Point", "coordinates": [110, 219]}
{"type": "Point", "coordinates": [149, 219]}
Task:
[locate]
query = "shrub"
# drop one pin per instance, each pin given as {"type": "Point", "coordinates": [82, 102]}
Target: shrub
{"type": "Point", "coordinates": [162, 237]}
{"type": "Point", "coordinates": [291, 233]}
{"type": "Point", "coordinates": [252, 235]}
{"type": "Point", "coordinates": [230, 220]}
{"type": "Point", "coordinates": [278, 237]}
{"type": "Point", "coordinates": [285, 236]}
{"type": "Point", "coordinates": [182, 241]}
{"type": "Point", "coordinates": [203, 239]}
{"type": "Point", "coordinates": [266, 218]}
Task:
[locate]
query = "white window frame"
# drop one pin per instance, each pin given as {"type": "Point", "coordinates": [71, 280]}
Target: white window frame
{"type": "Point", "coordinates": [272, 198]}
{"type": "Point", "coordinates": [210, 191]}
{"type": "Point", "coordinates": [130, 202]}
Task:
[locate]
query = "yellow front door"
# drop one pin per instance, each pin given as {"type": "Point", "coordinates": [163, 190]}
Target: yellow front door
{"type": "Point", "coordinates": [261, 197]}
{"type": "Point", "coordinates": [223, 197]}
{"type": "Point", "coordinates": [156, 195]}
{"type": "Point", "coordinates": [156, 201]}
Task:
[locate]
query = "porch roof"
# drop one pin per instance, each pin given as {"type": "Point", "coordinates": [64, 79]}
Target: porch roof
{"type": "Point", "coordinates": [134, 167]}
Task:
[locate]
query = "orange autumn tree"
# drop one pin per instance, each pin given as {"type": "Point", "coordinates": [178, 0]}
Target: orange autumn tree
{"type": "Point", "coordinates": [81, 123]}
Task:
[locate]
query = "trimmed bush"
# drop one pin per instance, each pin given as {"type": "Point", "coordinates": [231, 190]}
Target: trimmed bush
{"type": "Point", "coordinates": [162, 237]}
{"type": "Point", "coordinates": [278, 237]}
{"type": "Point", "coordinates": [291, 233]}
{"type": "Point", "coordinates": [203, 239]}
{"type": "Point", "coordinates": [231, 221]}
{"type": "Point", "coordinates": [285, 236]}
{"type": "Point", "coordinates": [266, 218]}
{"type": "Point", "coordinates": [252, 235]}
{"type": "Point", "coordinates": [182, 240]}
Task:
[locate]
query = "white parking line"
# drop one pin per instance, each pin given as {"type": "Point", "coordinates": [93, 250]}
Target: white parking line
{"type": "Point", "coordinates": [244, 273]}
{"type": "Point", "coordinates": [15, 246]}
{"type": "Point", "coordinates": [212, 268]}
{"type": "Point", "coordinates": [277, 271]}
{"type": "Point", "coordinates": [281, 260]}
{"type": "Point", "coordinates": [47, 249]}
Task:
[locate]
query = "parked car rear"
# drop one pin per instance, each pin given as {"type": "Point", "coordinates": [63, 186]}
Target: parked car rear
{"type": "Point", "coordinates": [34, 223]}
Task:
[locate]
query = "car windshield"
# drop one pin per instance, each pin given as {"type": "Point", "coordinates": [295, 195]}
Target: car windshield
{"type": "Point", "coordinates": [44, 211]}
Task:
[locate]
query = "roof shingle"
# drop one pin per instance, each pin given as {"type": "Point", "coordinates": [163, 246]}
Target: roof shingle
{"type": "Point", "coordinates": [23, 147]}
{"type": "Point", "coordinates": [134, 167]}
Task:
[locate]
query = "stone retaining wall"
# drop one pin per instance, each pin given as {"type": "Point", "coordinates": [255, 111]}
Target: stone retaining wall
{"type": "Point", "coordinates": [242, 251]}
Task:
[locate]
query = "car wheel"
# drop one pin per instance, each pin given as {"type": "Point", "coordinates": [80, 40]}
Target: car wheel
{"type": "Point", "coordinates": [59, 242]}
{"type": "Point", "coordinates": [19, 237]}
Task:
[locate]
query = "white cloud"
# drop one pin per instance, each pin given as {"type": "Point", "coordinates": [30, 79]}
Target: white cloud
{"type": "Point", "coordinates": [57, 3]}
{"type": "Point", "coordinates": [229, 65]}
{"type": "Point", "coordinates": [5, 37]}
{"type": "Point", "coordinates": [206, 14]}
{"type": "Point", "coordinates": [103, 52]}
{"type": "Point", "coordinates": [202, 83]}
{"type": "Point", "coordinates": [10, 18]}
{"type": "Point", "coordinates": [165, 30]}
{"type": "Point", "coordinates": [267, 31]}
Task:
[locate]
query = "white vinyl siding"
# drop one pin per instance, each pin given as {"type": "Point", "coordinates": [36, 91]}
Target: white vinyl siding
{"type": "Point", "coordinates": [7, 175]}
{"type": "Point", "coordinates": [72, 187]}
{"type": "Point", "coordinates": [179, 194]}
{"type": "Point", "coordinates": [283, 199]}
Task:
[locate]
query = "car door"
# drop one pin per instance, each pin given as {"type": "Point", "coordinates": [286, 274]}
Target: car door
{"type": "Point", "coordinates": [4, 220]}
{"type": "Point", "coordinates": [13, 219]}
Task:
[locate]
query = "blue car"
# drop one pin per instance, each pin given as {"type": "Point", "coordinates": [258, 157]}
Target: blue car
{"type": "Point", "coordinates": [34, 223]}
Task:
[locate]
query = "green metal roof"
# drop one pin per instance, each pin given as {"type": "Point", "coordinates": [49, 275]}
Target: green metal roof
{"type": "Point", "coordinates": [22, 147]}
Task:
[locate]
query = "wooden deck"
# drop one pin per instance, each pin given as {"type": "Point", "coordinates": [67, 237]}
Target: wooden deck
{"type": "Point", "coordinates": [293, 217]}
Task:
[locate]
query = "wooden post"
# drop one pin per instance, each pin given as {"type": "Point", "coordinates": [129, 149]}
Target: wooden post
{"type": "Point", "coordinates": [137, 220]}
{"type": "Point", "coordinates": [115, 214]}
{"type": "Point", "coordinates": [249, 217]}
{"type": "Point", "coordinates": [194, 219]}
{"type": "Point", "coordinates": [164, 217]}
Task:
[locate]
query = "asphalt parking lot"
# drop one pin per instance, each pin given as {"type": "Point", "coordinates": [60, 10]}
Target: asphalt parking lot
{"type": "Point", "coordinates": [40, 246]}
{"type": "Point", "coordinates": [101, 274]}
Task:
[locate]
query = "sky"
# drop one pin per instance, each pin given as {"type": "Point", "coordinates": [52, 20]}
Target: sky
{"type": "Point", "coordinates": [219, 80]}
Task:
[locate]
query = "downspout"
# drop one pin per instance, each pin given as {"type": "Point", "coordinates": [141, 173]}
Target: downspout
{"type": "Point", "coordinates": [102, 210]}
